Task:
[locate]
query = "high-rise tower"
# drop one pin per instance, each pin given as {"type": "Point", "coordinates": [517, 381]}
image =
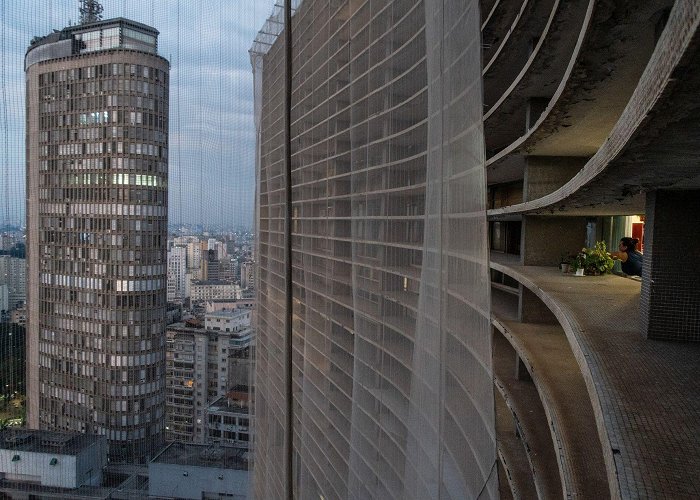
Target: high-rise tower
{"type": "Point", "coordinates": [97, 169]}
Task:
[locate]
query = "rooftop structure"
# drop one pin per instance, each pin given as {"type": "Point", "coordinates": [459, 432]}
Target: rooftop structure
{"type": "Point", "coordinates": [52, 459]}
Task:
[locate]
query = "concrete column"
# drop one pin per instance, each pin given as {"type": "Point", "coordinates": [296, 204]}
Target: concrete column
{"type": "Point", "coordinates": [545, 238]}
{"type": "Point", "coordinates": [670, 297]}
{"type": "Point", "coordinates": [531, 309]}
{"type": "Point", "coordinates": [546, 174]}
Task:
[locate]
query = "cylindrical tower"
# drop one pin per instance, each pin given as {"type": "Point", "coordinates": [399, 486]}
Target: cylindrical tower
{"type": "Point", "coordinates": [97, 170]}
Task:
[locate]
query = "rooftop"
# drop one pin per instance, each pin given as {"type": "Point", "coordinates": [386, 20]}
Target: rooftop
{"type": "Point", "coordinates": [61, 443]}
{"type": "Point", "coordinates": [226, 403]}
{"type": "Point", "coordinates": [203, 456]}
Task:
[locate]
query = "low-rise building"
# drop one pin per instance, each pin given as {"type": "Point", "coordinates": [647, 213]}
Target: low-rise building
{"type": "Point", "coordinates": [199, 471]}
{"type": "Point", "coordinates": [228, 419]}
{"type": "Point", "coordinates": [51, 459]}
{"type": "Point", "coordinates": [227, 320]}
{"type": "Point", "coordinates": [223, 304]}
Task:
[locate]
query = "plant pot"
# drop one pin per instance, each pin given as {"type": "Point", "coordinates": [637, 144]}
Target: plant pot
{"type": "Point", "coordinates": [579, 272]}
{"type": "Point", "coordinates": [565, 268]}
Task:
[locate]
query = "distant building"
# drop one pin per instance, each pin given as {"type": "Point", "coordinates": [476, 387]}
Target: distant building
{"type": "Point", "coordinates": [248, 275]}
{"type": "Point", "coordinates": [13, 273]}
{"type": "Point", "coordinates": [227, 321]}
{"type": "Point", "coordinates": [199, 471]}
{"type": "Point", "coordinates": [18, 315]}
{"type": "Point", "coordinates": [194, 255]}
{"type": "Point", "coordinates": [211, 267]}
{"type": "Point", "coordinates": [52, 459]}
{"type": "Point", "coordinates": [4, 301]}
{"type": "Point", "coordinates": [177, 274]}
{"type": "Point", "coordinates": [227, 269]}
{"type": "Point", "coordinates": [211, 289]}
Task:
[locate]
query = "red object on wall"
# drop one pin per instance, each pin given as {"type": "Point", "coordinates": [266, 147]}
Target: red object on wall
{"type": "Point", "coordinates": [638, 232]}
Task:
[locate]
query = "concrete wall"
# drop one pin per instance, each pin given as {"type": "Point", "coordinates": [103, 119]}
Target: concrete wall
{"type": "Point", "coordinates": [546, 174]}
{"type": "Point", "coordinates": [670, 297]}
{"type": "Point", "coordinates": [35, 467]}
{"type": "Point", "coordinates": [90, 462]}
{"type": "Point", "coordinates": [544, 239]}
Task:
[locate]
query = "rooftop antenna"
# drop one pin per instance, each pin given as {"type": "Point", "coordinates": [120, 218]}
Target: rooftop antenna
{"type": "Point", "coordinates": [90, 11]}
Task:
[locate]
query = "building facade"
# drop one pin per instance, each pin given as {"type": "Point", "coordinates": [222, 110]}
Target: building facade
{"type": "Point", "coordinates": [202, 365]}
{"type": "Point", "coordinates": [228, 419]}
{"type": "Point", "coordinates": [13, 274]}
{"type": "Point", "coordinates": [97, 170]}
{"type": "Point", "coordinates": [177, 274]}
{"type": "Point", "coordinates": [373, 361]}
{"type": "Point", "coordinates": [423, 168]}
{"type": "Point", "coordinates": [213, 290]}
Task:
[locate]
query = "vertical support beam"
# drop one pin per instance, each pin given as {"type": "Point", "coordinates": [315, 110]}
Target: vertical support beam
{"type": "Point", "coordinates": [670, 297]}
{"type": "Point", "coordinates": [521, 372]}
{"type": "Point", "coordinates": [545, 238]}
{"type": "Point", "coordinates": [531, 309]}
{"type": "Point", "coordinates": [289, 392]}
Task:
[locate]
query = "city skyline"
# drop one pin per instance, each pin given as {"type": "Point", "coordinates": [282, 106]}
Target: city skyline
{"type": "Point", "coordinates": [211, 83]}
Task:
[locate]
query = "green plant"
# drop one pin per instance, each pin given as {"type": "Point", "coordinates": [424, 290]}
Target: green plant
{"type": "Point", "coordinates": [594, 260]}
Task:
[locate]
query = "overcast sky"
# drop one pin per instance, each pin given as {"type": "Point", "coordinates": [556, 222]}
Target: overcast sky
{"type": "Point", "coordinates": [212, 136]}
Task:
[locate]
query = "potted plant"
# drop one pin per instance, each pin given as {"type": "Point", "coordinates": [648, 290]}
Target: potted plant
{"type": "Point", "coordinates": [578, 263]}
{"type": "Point", "coordinates": [565, 262]}
{"type": "Point", "coordinates": [593, 261]}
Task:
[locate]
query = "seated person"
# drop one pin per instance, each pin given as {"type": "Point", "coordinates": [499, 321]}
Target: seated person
{"type": "Point", "coordinates": [630, 258]}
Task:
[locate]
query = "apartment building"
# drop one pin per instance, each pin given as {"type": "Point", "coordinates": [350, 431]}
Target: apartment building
{"type": "Point", "coordinates": [13, 274]}
{"type": "Point", "coordinates": [228, 419]}
{"type": "Point", "coordinates": [177, 274]}
{"type": "Point", "coordinates": [202, 364]}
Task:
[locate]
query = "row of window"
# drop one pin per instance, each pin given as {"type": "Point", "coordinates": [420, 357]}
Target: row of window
{"type": "Point", "coordinates": [112, 162]}
{"type": "Point", "coordinates": [116, 116]}
{"type": "Point", "coordinates": [99, 179]}
{"type": "Point", "coordinates": [113, 390]}
{"type": "Point", "coordinates": [51, 105]}
{"type": "Point", "coordinates": [142, 323]}
{"type": "Point", "coordinates": [91, 283]}
{"type": "Point", "coordinates": [105, 209]}
{"type": "Point", "coordinates": [103, 71]}
{"type": "Point", "coordinates": [141, 256]}
{"type": "Point", "coordinates": [73, 267]}
{"type": "Point", "coordinates": [104, 224]}
{"type": "Point", "coordinates": [65, 354]}
{"type": "Point", "coordinates": [101, 133]}
{"type": "Point", "coordinates": [62, 237]}
{"type": "Point", "coordinates": [98, 342]}
{"type": "Point", "coordinates": [97, 148]}
{"type": "Point", "coordinates": [100, 87]}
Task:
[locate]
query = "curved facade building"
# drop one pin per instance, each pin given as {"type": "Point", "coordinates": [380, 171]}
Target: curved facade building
{"type": "Point", "coordinates": [389, 359]}
{"type": "Point", "coordinates": [591, 129]}
{"type": "Point", "coordinates": [97, 170]}
{"type": "Point", "coordinates": [416, 337]}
